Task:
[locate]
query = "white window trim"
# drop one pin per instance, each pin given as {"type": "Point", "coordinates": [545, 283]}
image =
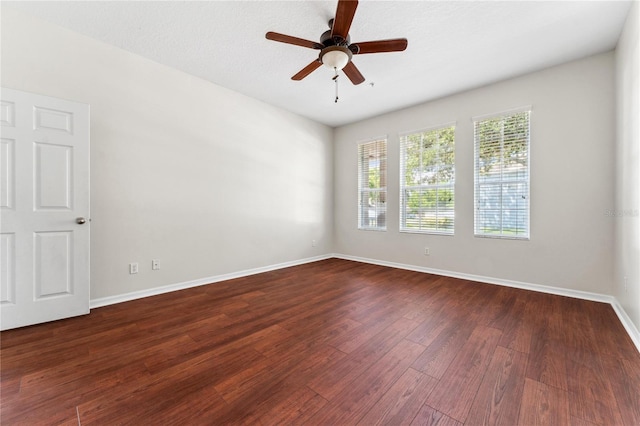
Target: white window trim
{"type": "Point", "coordinates": [384, 189]}
{"type": "Point", "coordinates": [401, 187]}
{"type": "Point", "coordinates": [529, 109]}
{"type": "Point", "coordinates": [509, 111]}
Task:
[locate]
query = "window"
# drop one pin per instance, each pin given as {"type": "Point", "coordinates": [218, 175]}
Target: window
{"type": "Point", "coordinates": [502, 175]}
{"type": "Point", "coordinates": [372, 185]}
{"type": "Point", "coordinates": [427, 181]}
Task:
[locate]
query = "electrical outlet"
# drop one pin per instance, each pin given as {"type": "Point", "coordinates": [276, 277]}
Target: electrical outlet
{"type": "Point", "coordinates": [427, 251]}
{"type": "Point", "coordinates": [155, 264]}
{"type": "Point", "coordinates": [313, 243]}
{"type": "Point", "coordinates": [626, 284]}
{"type": "Point", "coordinates": [133, 268]}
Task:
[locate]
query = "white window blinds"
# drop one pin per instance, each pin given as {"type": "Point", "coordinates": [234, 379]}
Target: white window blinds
{"type": "Point", "coordinates": [427, 181]}
{"type": "Point", "coordinates": [372, 185]}
{"type": "Point", "coordinates": [502, 175]}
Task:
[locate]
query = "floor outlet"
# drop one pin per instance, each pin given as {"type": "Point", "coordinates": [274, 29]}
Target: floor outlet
{"type": "Point", "coordinates": [155, 264]}
{"type": "Point", "coordinates": [133, 268]}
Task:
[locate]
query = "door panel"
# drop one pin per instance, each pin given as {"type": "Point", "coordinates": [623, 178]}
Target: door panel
{"type": "Point", "coordinates": [7, 110]}
{"type": "Point", "coordinates": [8, 265]}
{"type": "Point", "coordinates": [44, 180]}
{"type": "Point", "coordinates": [52, 172]}
{"type": "Point", "coordinates": [7, 179]}
{"type": "Point", "coordinates": [53, 264]}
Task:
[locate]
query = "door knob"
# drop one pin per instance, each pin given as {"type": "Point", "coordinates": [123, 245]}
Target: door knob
{"type": "Point", "coordinates": [81, 220]}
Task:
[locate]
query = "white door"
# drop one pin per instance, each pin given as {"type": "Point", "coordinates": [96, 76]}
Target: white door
{"type": "Point", "coordinates": [44, 208]}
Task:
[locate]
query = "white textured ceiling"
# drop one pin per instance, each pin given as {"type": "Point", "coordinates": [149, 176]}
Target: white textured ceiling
{"type": "Point", "coordinates": [453, 45]}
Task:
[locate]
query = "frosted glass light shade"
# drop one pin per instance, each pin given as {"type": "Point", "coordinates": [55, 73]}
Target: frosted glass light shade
{"type": "Point", "coordinates": [336, 57]}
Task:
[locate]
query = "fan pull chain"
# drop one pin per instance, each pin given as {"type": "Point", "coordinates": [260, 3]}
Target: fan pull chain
{"type": "Point", "coordinates": [335, 78]}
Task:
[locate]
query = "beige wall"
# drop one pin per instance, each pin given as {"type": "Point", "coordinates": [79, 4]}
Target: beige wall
{"type": "Point", "coordinates": [572, 139]}
{"type": "Point", "coordinates": [205, 179]}
{"type": "Point", "coordinates": [212, 182]}
{"type": "Point", "coordinates": [627, 206]}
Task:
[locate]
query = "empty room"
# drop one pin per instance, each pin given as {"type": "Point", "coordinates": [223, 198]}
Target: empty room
{"type": "Point", "coordinates": [320, 212]}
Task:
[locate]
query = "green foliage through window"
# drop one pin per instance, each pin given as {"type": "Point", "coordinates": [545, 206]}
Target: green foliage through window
{"type": "Point", "coordinates": [427, 184]}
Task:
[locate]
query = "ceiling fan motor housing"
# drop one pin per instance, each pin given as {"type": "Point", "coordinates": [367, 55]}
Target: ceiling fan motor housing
{"type": "Point", "coordinates": [327, 40]}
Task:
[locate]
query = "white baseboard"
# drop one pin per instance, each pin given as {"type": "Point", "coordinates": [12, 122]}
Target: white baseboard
{"type": "Point", "coordinates": [627, 323]}
{"type": "Point", "coordinates": [111, 300]}
{"type": "Point", "coordinates": [596, 297]}
{"type": "Point", "coordinates": [489, 280]}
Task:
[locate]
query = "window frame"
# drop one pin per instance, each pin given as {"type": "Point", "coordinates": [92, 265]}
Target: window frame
{"type": "Point", "coordinates": [501, 182]}
{"type": "Point", "coordinates": [402, 187]}
{"type": "Point", "coordinates": [382, 189]}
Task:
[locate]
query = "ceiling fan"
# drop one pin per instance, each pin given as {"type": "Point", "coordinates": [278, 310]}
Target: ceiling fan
{"type": "Point", "coordinates": [336, 49]}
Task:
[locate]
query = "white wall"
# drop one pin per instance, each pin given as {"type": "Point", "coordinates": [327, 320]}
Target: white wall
{"type": "Point", "coordinates": [627, 206]}
{"type": "Point", "coordinates": [205, 179]}
{"type": "Point", "coordinates": [572, 155]}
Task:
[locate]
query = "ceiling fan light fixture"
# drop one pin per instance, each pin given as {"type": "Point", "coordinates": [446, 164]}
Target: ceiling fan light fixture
{"type": "Point", "coordinates": [336, 49]}
{"type": "Point", "coordinates": [335, 56]}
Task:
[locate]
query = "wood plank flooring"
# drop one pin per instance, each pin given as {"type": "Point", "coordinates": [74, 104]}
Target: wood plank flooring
{"type": "Point", "coordinates": [327, 343]}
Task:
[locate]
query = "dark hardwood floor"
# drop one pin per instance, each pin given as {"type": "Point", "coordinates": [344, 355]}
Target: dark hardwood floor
{"type": "Point", "coordinates": [328, 343]}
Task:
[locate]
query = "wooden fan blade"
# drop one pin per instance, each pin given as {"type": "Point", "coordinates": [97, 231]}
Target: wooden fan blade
{"type": "Point", "coordinates": [344, 15]}
{"type": "Point", "coordinates": [283, 38]}
{"type": "Point", "coordinates": [378, 46]}
{"type": "Point", "coordinates": [353, 73]}
{"type": "Point", "coordinates": [307, 70]}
